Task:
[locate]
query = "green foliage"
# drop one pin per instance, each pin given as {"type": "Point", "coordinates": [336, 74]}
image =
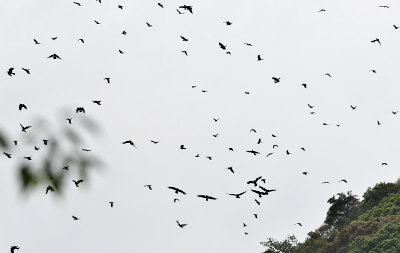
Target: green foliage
{"type": "Point", "coordinates": [373, 196]}
{"type": "Point", "coordinates": [372, 225]}
{"type": "Point", "coordinates": [386, 240]}
{"type": "Point", "coordinates": [289, 245]}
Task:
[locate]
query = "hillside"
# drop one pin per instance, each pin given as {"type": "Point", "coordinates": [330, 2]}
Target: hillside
{"type": "Point", "coordinates": [353, 225]}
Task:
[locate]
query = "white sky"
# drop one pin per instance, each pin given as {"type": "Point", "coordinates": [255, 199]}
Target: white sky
{"type": "Point", "coordinates": [150, 97]}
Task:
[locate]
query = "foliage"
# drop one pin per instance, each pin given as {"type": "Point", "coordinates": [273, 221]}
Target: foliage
{"type": "Point", "coordinates": [372, 225]}
{"type": "Point", "coordinates": [289, 245]}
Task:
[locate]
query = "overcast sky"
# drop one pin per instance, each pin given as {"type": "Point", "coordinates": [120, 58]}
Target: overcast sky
{"type": "Point", "coordinates": [150, 97]}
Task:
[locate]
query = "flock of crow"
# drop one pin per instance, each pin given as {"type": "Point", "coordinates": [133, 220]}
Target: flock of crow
{"type": "Point", "coordinates": [257, 186]}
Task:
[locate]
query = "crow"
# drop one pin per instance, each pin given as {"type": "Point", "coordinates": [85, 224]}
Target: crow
{"type": "Point", "coordinates": [123, 33]}
{"type": "Point", "coordinates": [54, 38]}
{"type": "Point", "coordinates": [222, 46]}
{"type": "Point", "coordinates": [36, 42]}
{"type": "Point", "coordinates": [184, 39]}
{"type": "Point", "coordinates": [253, 130]}
{"type": "Point", "coordinates": [276, 79]}
{"type": "Point", "coordinates": [120, 51]}
{"type": "Point", "coordinates": [75, 218]}
{"type": "Point", "coordinates": [304, 85]}
{"type": "Point", "coordinates": [376, 40]}
{"type": "Point", "coordinates": [81, 40]}
{"type": "Point", "coordinates": [259, 141]}
{"type": "Point", "coordinates": [80, 109]}
{"type": "Point", "coordinates": [54, 56]}
{"type": "Point", "coordinates": [65, 168]}
{"type": "Point", "coordinates": [384, 164]}
{"type": "Point", "coordinates": [274, 146]}
{"type": "Point", "coordinates": [98, 102]}
{"type": "Point", "coordinates": [231, 169]}
{"type": "Point", "coordinates": [148, 186]}
{"type": "Point", "coordinates": [22, 106]}
{"type": "Point", "coordinates": [182, 146]}
{"type": "Point", "coordinates": [228, 23]}
{"type": "Point", "coordinates": [244, 225]}
{"type": "Point", "coordinates": [260, 194]}
{"type": "Point", "coordinates": [107, 79]}
{"type": "Point", "coordinates": [120, 6]}
{"type": "Point", "coordinates": [10, 72]}
{"type": "Point", "coordinates": [259, 58]}
{"type": "Point", "coordinates": [327, 74]}
{"type": "Point", "coordinates": [325, 182]}
{"type": "Point", "coordinates": [254, 182]}
{"type": "Point", "coordinates": [206, 197]}
{"type": "Point", "coordinates": [49, 188]}
{"type": "Point", "coordinates": [26, 70]}
{"type": "Point", "coordinates": [353, 107]}
{"type": "Point", "coordinates": [395, 27]}
{"type": "Point", "coordinates": [269, 154]}
{"type": "Point", "coordinates": [177, 190]}
{"type": "Point", "coordinates": [321, 10]}
{"type": "Point", "coordinates": [77, 182]}
{"type": "Point", "coordinates": [7, 154]}
{"type": "Point", "coordinates": [13, 248]}
{"type": "Point", "coordinates": [215, 119]}
{"type": "Point", "coordinates": [24, 128]}
{"type": "Point", "coordinates": [129, 142]}
{"type": "Point", "coordinates": [181, 225]}
{"type": "Point", "coordinates": [175, 200]}
{"type": "Point", "coordinates": [253, 152]}
{"type": "Point", "coordinates": [343, 180]}
{"type": "Point", "coordinates": [237, 195]}
{"type": "Point", "coordinates": [266, 191]}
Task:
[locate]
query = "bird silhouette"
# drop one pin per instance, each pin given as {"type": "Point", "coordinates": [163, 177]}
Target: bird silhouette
{"type": "Point", "coordinates": [26, 70]}
{"type": "Point", "coordinates": [10, 72]}
{"type": "Point", "coordinates": [231, 169]}
{"type": "Point", "coordinates": [259, 193]}
{"type": "Point", "coordinates": [123, 33]}
{"type": "Point", "coordinates": [181, 225]}
{"type": "Point", "coordinates": [69, 120]}
{"type": "Point", "coordinates": [97, 22]}
{"type": "Point", "coordinates": [111, 203]}
{"type": "Point", "coordinates": [322, 10]}
{"type": "Point", "coordinates": [237, 195]}
{"type": "Point", "coordinates": [182, 146]}
{"type": "Point", "coordinates": [184, 39]}
{"type": "Point", "coordinates": [187, 7]}
{"type": "Point", "coordinates": [7, 154]}
{"type": "Point", "coordinates": [379, 123]}
{"type": "Point", "coordinates": [80, 109]}
{"type": "Point", "coordinates": [15, 143]}
{"type": "Point", "coordinates": [107, 79]}
{"type": "Point", "coordinates": [45, 142]}
{"type": "Point", "coordinates": [54, 56]}
{"type": "Point", "coordinates": [179, 12]}
{"type": "Point", "coordinates": [154, 142]}
{"type": "Point", "coordinates": [259, 58]}
{"type": "Point", "coordinates": [343, 180]}
{"type": "Point", "coordinates": [49, 188]}
{"type": "Point", "coordinates": [353, 107]}
{"type": "Point", "coordinates": [230, 149]}
{"type": "Point", "coordinates": [253, 152]}
{"type": "Point", "coordinates": [228, 23]}
{"type": "Point", "coordinates": [120, 51]}
{"type": "Point", "coordinates": [373, 71]}
{"type": "Point", "coordinates": [98, 102]}
{"type": "Point", "coordinates": [206, 197]}
{"type": "Point", "coordinates": [255, 215]}
{"type": "Point", "coordinates": [148, 24]}
{"type": "Point", "coordinates": [394, 112]}
{"type": "Point", "coordinates": [222, 46]}
{"type": "Point", "coordinates": [215, 120]}
{"type": "Point", "coordinates": [376, 40]}
{"type": "Point", "coordinates": [24, 128]}
{"type": "Point", "coordinates": [395, 27]}
{"type": "Point", "coordinates": [177, 190]}
{"type": "Point", "coordinates": [129, 142]}
{"type": "Point", "coordinates": [209, 157]}
{"type": "Point", "coordinates": [13, 248]}
{"type": "Point", "coordinates": [325, 182]}
{"type": "Point", "coordinates": [276, 79]}
{"type": "Point", "coordinates": [304, 85]}
{"type": "Point", "coordinates": [148, 186]}
{"type": "Point", "coordinates": [36, 42]}
{"type": "Point", "coordinates": [254, 182]}
{"type": "Point", "coordinates": [269, 154]}
{"type": "Point", "coordinates": [384, 6]}
{"type": "Point", "coordinates": [198, 155]}
{"type": "Point", "coordinates": [304, 173]}
{"type": "Point", "coordinates": [185, 52]}
{"type": "Point", "coordinates": [266, 191]}
{"type": "Point", "coordinates": [29, 158]}
{"type": "Point", "coordinates": [244, 225]}
{"type": "Point", "coordinates": [54, 38]}
{"type": "Point", "coordinates": [327, 74]}
{"type": "Point", "coordinates": [298, 223]}
{"type": "Point", "coordinates": [248, 44]}
{"type": "Point", "coordinates": [81, 40]}
{"type": "Point", "coordinates": [288, 153]}
{"type": "Point", "coordinates": [120, 7]}
{"type": "Point", "coordinates": [75, 218]}
{"type": "Point", "coordinates": [65, 168]}
{"type": "Point", "coordinates": [77, 182]}
{"type": "Point", "coordinates": [246, 233]}
{"type": "Point", "coordinates": [86, 150]}
{"type": "Point", "coordinates": [384, 164]}
{"type": "Point", "coordinates": [22, 106]}
{"type": "Point", "coordinates": [175, 200]}
{"type": "Point", "coordinates": [274, 146]}
{"type": "Point", "coordinates": [259, 141]}
{"type": "Point", "coordinates": [159, 4]}
{"type": "Point", "coordinates": [258, 202]}
{"type": "Point", "coordinates": [253, 130]}
{"type": "Point", "coordinates": [77, 3]}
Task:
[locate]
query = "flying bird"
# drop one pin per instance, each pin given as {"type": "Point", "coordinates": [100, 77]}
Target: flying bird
{"type": "Point", "coordinates": [384, 164]}
{"type": "Point", "coordinates": [304, 85]}
{"type": "Point", "coordinates": [187, 7]}
{"type": "Point", "coordinates": [107, 79]}
{"type": "Point", "coordinates": [36, 42]}
{"type": "Point", "coordinates": [97, 22]}
{"type": "Point", "coordinates": [86, 150]}
{"type": "Point", "coordinates": [254, 182]}
{"type": "Point", "coordinates": [206, 197]}
{"type": "Point", "coordinates": [231, 169]}
{"type": "Point", "coordinates": [248, 44]}
{"type": "Point", "coordinates": [54, 56]}
{"type": "Point", "coordinates": [253, 152]}
{"type": "Point", "coordinates": [384, 6]}
{"type": "Point", "coordinates": [77, 182]}
{"type": "Point", "coordinates": [376, 40]}
{"type": "Point", "coordinates": [24, 128]}
{"type": "Point", "coordinates": [81, 40]}
{"type": "Point", "coordinates": [175, 200]}
{"type": "Point", "coordinates": [237, 195]}
{"type": "Point", "coordinates": [266, 191]}
{"type": "Point", "coordinates": [159, 4]}
{"type": "Point", "coordinates": [276, 79]}
{"type": "Point", "coordinates": [149, 25]}
{"type": "Point", "coordinates": [327, 74]}
{"type": "Point", "coordinates": [80, 109]}
{"type": "Point", "coordinates": [7, 154]}
{"type": "Point", "coordinates": [182, 146]}
{"type": "Point", "coordinates": [77, 3]}
{"type": "Point", "coordinates": [222, 46]}
{"type": "Point", "coordinates": [54, 38]}
{"type": "Point", "coordinates": [26, 70]}
{"type": "Point", "coordinates": [304, 173]}
{"type": "Point", "coordinates": [74, 217]}
{"type": "Point", "coordinates": [395, 27]}
{"type": "Point", "coordinates": [111, 203]}
{"type": "Point", "coordinates": [181, 225]}
{"type": "Point", "coordinates": [49, 188]}
{"type": "Point", "coordinates": [177, 190]}
{"type": "Point", "coordinates": [10, 72]}
{"type": "Point", "coordinates": [120, 51]}
{"type": "Point", "coordinates": [120, 6]}
{"type": "Point", "coordinates": [45, 142]}
{"type": "Point", "coordinates": [259, 58]}
{"type": "Point", "coordinates": [185, 52]}
{"type": "Point", "coordinates": [253, 130]}
{"type": "Point", "coordinates": [69, 120]}
{"type": "Point", "coordinates": [22, 106]}
{"type": "Point", "coordinates": [154, 142]}
{"type": "Point", "coordinates": [258, 202]}
{"type": "Point", "coordinates": [353, 107]}
{"type": "Point", "coordinates": [325, 182]}
{"type": "Point", "coordinates": [123, 33]}
{"type": "Point", "coordinates": [343, 180]}
{"type": "Point", "coordinates": [255, 215]}
{"type": "Point", "coordinates": [298, 223]}
{"type": "Point", "coordinates": [179, 11]}
{"type": "Point", "coordinates": [228, 23]}
{"type": "Point", "coordinates": [184, 39]}
{"type": "Point", "coordinates": [13, 248]}
{"type": "Point", "coordinates": [129, 142]}
{"type": "Point", "coordinates": [259, 141]}
{"type": "Point", "coordinates": [322, 10]}
{"type": "Point", "coordinates": [148, 186]}
{"type": "Point", "coordinates": [98, 102]}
